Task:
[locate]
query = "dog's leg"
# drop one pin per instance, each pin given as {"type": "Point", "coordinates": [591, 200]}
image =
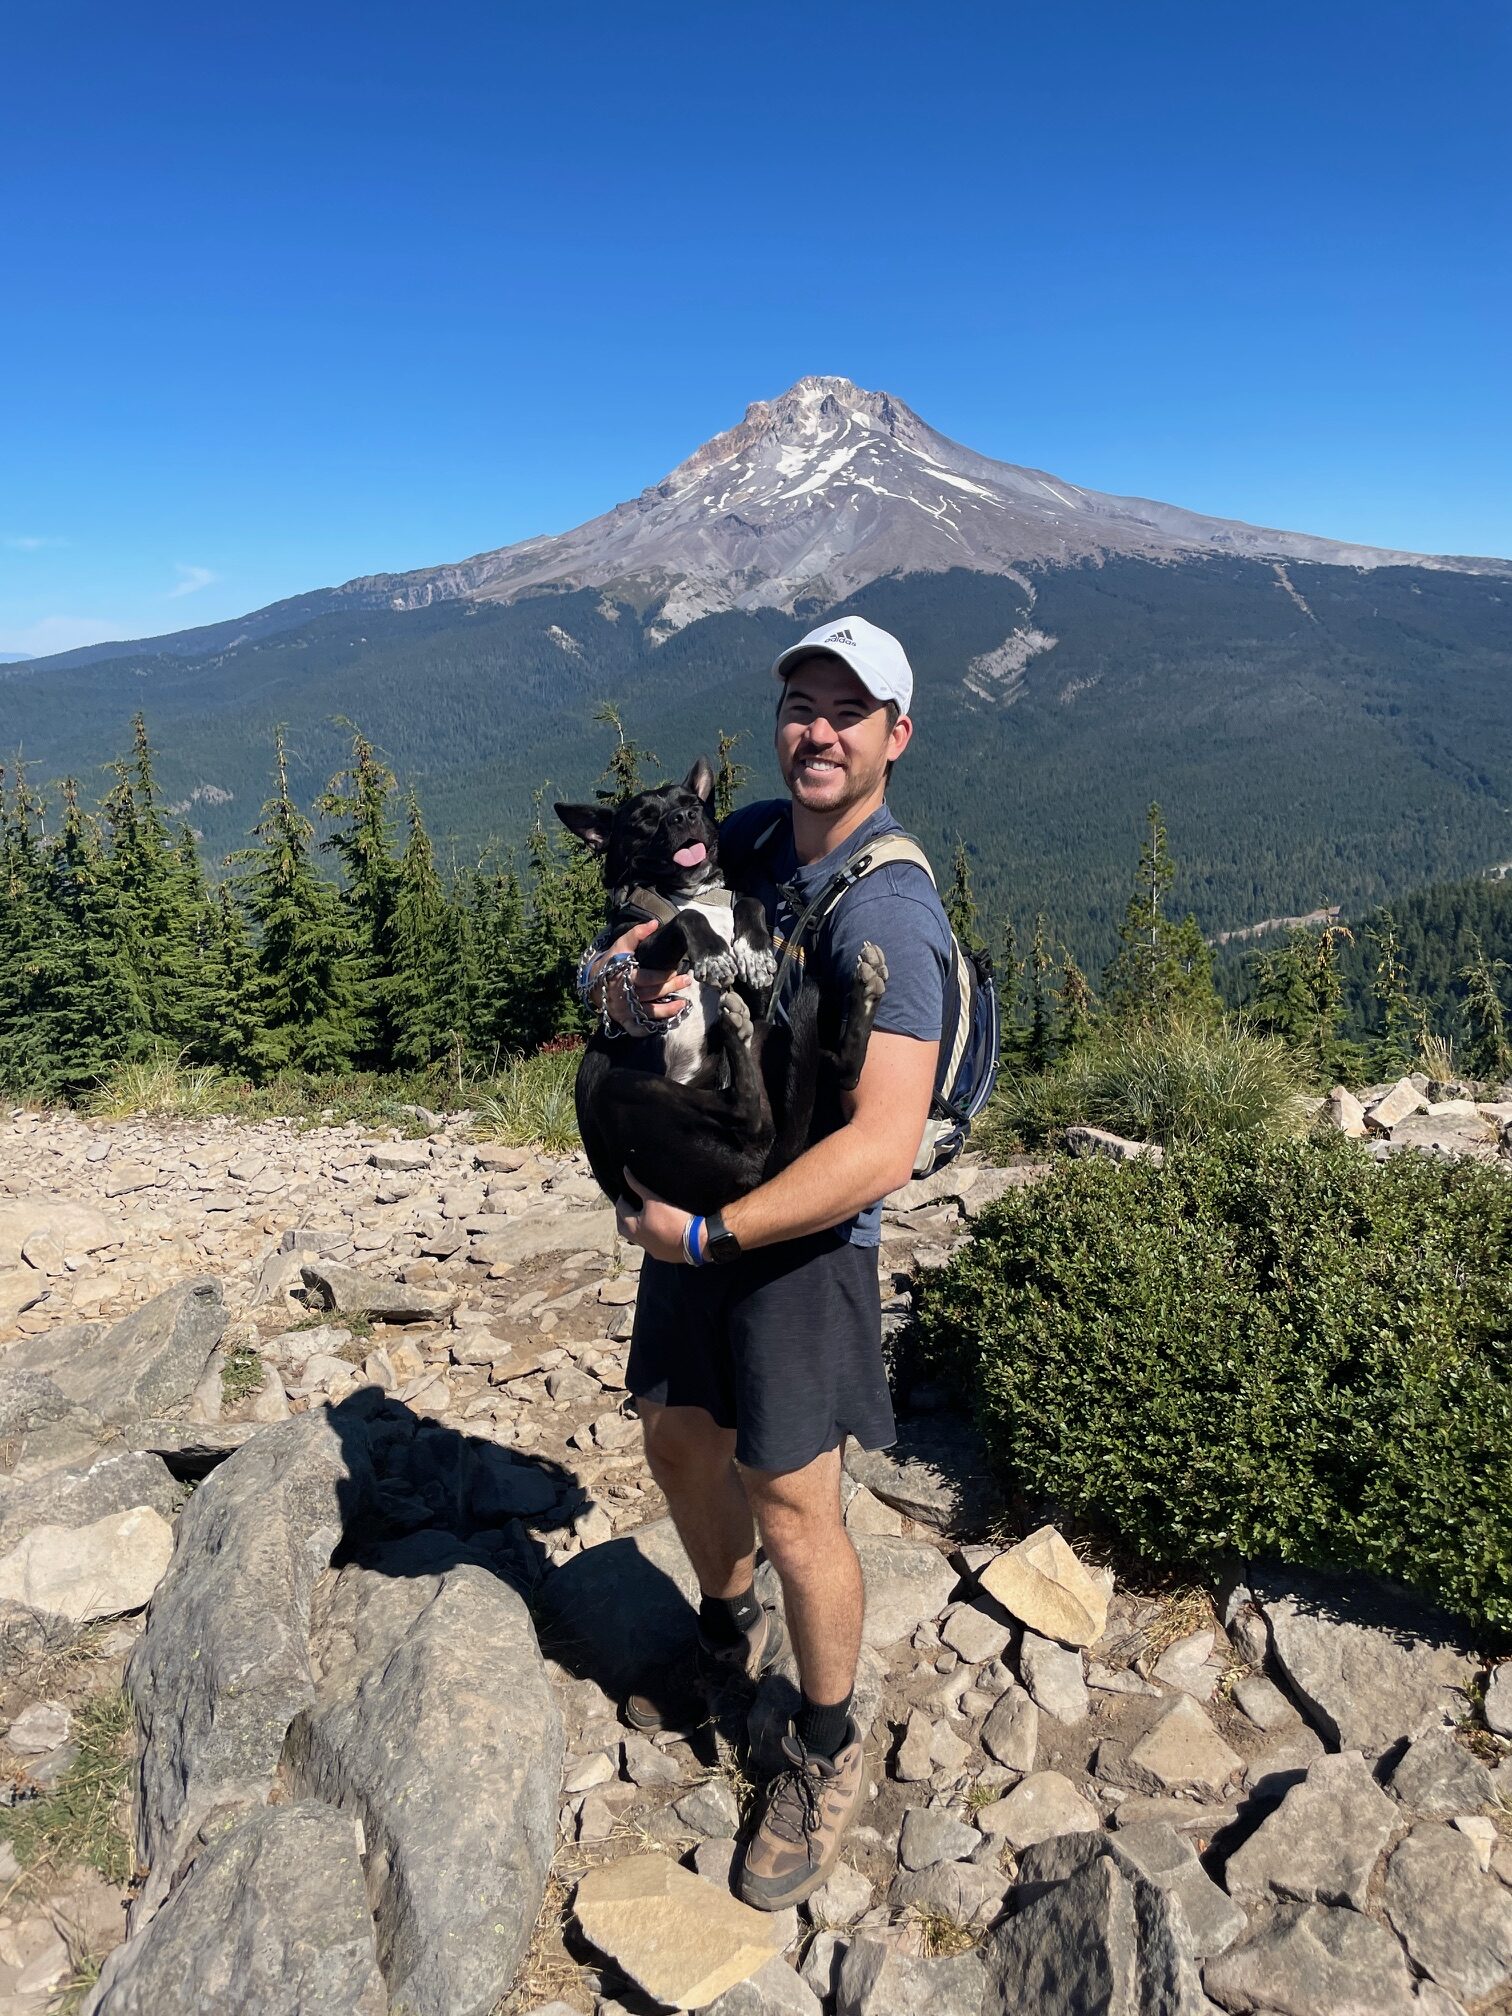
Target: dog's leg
{"type": "Point", "coordinates": [868, 985]}
{"type": "Point", "coordinates": [736, 1033]}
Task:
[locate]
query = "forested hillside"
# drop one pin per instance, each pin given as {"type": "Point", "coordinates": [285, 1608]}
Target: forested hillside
{"type": "Point", "coordinates": [1331, 737]}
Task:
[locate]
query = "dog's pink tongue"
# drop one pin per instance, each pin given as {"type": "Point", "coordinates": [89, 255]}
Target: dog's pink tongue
{"type": "Point", "coordinates": [689, 857]}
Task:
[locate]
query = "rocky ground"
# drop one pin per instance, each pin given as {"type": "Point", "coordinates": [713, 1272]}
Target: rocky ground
{"type": "Point", "coordinates": [350, 1411]}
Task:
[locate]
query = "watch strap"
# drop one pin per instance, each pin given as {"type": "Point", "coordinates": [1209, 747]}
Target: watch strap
{"type": "Point", "coordinates": [720, 1243]}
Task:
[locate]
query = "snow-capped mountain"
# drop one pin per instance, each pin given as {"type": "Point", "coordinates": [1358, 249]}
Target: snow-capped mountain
{"type": "Point", "coordinates": [830, 487]}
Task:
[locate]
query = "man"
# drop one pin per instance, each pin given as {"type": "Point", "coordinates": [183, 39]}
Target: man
{"type": "Point", "coordinates": [758, 1349]}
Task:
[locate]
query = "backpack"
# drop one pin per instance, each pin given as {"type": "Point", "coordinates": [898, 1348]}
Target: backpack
{"type": "Point", "coordinates": [971, 1030]}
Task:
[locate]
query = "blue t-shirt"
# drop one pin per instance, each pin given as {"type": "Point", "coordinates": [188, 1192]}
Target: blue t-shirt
{"type": "Point", "coordinates": [895, 906]}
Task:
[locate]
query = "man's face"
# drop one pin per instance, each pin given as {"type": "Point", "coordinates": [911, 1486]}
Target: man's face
{"type": "Point", "coordinates": [834, 741]}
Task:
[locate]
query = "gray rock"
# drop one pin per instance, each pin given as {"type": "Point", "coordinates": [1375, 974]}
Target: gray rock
{"type": "Point", "coordinates": [714, 1860]}
{"type": "Point", "coordinates": [646, 1765]}
{"type": "Point", "coordinates": [271, 1920]}
{"type": "Point", "coordinates": [1438, 1776]}
{"type": "Point", "coordinates": [434, 1720]}
{"type": "Point", "coordinates": [1498, 1701]}
{"type": "Point", "coordinates": [773, 1990]}
{"type": "Point", "coordinates": [1182, 1752]}
{"type": "Point", "coordinates": [978, 1630]}
{"type": "Point", "coordinates": [352, 1292]}
{"type": "Point", "coordinates": [1159, 1852]}
{"type": "Point", "coordinates": [1189, 1666]}
{"type": "Point", "coordinates": [1053, 1675]}
{"type": "Point", "coordinates": [710, 1809]}
{"type": "Point", "coordinates": [841, 1900]}
{"type": "Point", "coordinates": [908, 1583]}
{"type": "Point", "coordinates": [223, 1666]}
{"type": "Point", "coordinates": [968, 1893]}
{"type": "Point", "coordinates": [1085, 1931]}
{"type": "Point", "coordinates": [40, 1427]}
{"type": "Point", "coordinates": [875, 1981]}
{"type": "Point", "coordinates": [1323, 1840]}
{"type": "Point", "coordinates": [78, 1497]}
{"type": "Point", "coordinates": [936, 1474]}
{"type": "Point", "coordinates": [1011, 1731]}
{"type": "Point", "coordinates": [821, 1962]}
{"type": "Point", "coordinates": [1455, 1923]}
{"type": "Point", "coordinates": [1264, 1703]}
{"type": "Point", "coordinates": [930, 1835]}
{"type": "Point", "coordinates": [618, 1611]}
{"type": "Point", "coordinates": [1313, 1960]}
{"type": "Point", "coordinates": [1368, 1669]}
{"type": "Point", "coordinates": [148, 1363]}
{"type": "Point", "coordinates": [1283, 1762]}
{"type": "Point", "coordinates": [1088, 1141]}
{"type": "Point", "coordinates": [105, 1569]}
{"type": "Point", "coordinates": [1040, 1807]}
{"type": "Point", "coordinates": [39, 1729]}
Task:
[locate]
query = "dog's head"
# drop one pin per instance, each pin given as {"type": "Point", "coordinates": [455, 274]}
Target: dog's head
{"type": "Point", "coordinates": [664, 839]}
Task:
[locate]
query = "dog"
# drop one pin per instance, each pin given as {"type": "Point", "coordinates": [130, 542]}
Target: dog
{"type": "Point", "coordinates": [731, 1094]}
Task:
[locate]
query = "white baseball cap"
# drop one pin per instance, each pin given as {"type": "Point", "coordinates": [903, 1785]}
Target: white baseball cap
{"type": "Point", "coordinates": [875, 656]}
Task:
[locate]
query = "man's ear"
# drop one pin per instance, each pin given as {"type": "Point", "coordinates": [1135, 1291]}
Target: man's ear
{"type": "Point", "coordinates": [591, 823]}
{"type": "Point", "coordinates": [700, 780]}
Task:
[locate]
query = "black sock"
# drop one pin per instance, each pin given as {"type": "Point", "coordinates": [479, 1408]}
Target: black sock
{"type": "Point", "coordinates": [725, 1620]}
{"type": "Point", "coordinates": [823, 1731]}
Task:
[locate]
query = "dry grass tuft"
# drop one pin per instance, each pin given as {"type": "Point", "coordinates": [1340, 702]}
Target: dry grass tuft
{"type": "Point", "coordinates": [82, 1819]}
{"type": "Point", "coordinates": [941, 1935]}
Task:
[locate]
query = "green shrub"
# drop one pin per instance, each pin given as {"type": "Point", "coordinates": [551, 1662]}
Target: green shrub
{"type": "Point", "coordinates": [1169, 1081]}
{"type": "Point", "coordinates": [1282, 1349]}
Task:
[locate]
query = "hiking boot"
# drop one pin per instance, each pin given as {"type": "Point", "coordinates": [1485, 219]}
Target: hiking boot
{"type": "Point", "coordinates": [680, 1695]}
{"type": "Point", "coordinates": [809, 1805]}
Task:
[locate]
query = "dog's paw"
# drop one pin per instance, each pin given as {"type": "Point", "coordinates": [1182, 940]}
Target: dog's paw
{"type": "Point", "coordinates": [738, 1016]}
{"type": "Point", "coordinates": [758, 965]}
{"type": "Point", "coordinates": [715, 969]}
{"type": "Point", "coordinates": [871, 973]}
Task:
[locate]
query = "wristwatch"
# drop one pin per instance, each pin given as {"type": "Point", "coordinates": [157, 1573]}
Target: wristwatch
{"type": "Point", "coordinates": [720, 1243]}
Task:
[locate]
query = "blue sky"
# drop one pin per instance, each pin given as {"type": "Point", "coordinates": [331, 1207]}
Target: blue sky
{"type": "Point", "coordinates": [294, 294]}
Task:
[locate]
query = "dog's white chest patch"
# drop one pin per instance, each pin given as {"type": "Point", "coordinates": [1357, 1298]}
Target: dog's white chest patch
{"type": "Point", "coordinates": [687, 1045]}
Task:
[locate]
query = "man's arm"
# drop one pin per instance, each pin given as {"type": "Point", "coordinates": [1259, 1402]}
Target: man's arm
{"type": "Point", "coordinates": [872, 1154]}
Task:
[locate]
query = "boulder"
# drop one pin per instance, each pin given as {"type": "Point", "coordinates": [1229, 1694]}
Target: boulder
{"type": "Point", "coordinates": [1369, 1669]}
{"type": "Point", "coordinates": [931, 1834]}
{"type": "Point", "coordinates": [842, 1899]}
{"type": "Point", "coordinates": [1439, 1777]}
{"type": "Point", "coordinates": [773, 1990]}
{"type": "Point", "coordinates": [1042, 1583]}
{"type": "Point", "coordinates": [1264, 1703]}
{"type": "Point", "coordinates": [147, 1364]}
{"type": "Point", "coordinates": [978, 1630]}
{"type": "Point", "coordinates": [350, 1291]}
{"type": "Point", "coordinates": [1084, 1930]}
{"type": "Point", "coordinates": [1313, 1960]}
{"type": "Point", "coordinates": [1383, 1114]}
{"type": "Point", "coordinates": [1455, 1923]}
{"type": "Point", "coordinates": [72, 1228]}
{"type": "Point", "coordinates": [676, 1937]}
{"type": "Point", "coordinates": [1170, 1861]}
{"type": "Point", "coordinates": [908, 1583]}
{"type": "Point", "coordinates": [223, 1666]}
{"type": "Point", "coordinates": [1182, 1752]}
{"type": "Point", "coordinates": [433, 1718]}
{"type": "Point", "coordinates": [104, 1569]}
{"type": "Point", "coordinates": [271, 1919]}
{"type": "Point", "coordinates": [968, 1893]}
{"type": "Point", "coordinates": [1345, 1113]}
{"type": "Point", "coordinates": [936, 1474]}
{"type": "Point", "coordinates": [1323, 1840]}
{"type": "Point", "coordinates": [1088, 1141]}
{"type": "Point", "coordinates": [1459, 1135]}
{"type": "Point", "coordinates": [874, 1980]}
{"type": "Point", "coordinates": [81, 1496]}
{"type": "Point", "coordinates": [1190, 1666]}
{"type": "Point", "coordinates": [618, 1611]}
{"type": "Point", "coordinates": [1498, 1699]}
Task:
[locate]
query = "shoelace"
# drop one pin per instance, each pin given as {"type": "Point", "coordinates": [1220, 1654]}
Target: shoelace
{"type": "Point", "coordinates": [793, 1803]}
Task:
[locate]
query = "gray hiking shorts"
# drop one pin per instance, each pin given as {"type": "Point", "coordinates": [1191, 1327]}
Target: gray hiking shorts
{"type": "Point", "coordinates": [784, 1345]}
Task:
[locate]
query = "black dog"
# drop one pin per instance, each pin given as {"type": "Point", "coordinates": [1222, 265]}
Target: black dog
{"type": "Point", "coordinates": [729, 1096]}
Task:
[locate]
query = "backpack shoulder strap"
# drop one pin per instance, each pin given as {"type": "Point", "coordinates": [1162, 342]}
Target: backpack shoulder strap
{"type": "Point", "coordinates": [891, 847]}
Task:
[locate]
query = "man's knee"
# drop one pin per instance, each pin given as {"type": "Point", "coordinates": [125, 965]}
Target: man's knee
{"type": "Point", "coordinates": [798, 1514]}
{"type": "Point", "coordinates": [684, 1444]}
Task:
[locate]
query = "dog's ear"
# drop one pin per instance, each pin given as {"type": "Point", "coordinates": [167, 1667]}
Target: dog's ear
{"type": "Point", "coordinates": [590, 823]}
{"type": "Point", "coordinates": [700, 780]}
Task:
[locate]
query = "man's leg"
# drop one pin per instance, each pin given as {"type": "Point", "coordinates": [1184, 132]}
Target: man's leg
{"type": "Point", "coordinates": [798, 1513]}
{"type": "Point", "coordinates": [693, 1461]}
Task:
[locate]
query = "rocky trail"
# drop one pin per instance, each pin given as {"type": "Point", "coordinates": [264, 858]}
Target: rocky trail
{"type": "Point", "coordinates": [317, 1444]}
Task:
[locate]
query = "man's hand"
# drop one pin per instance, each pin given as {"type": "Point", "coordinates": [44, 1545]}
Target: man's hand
{"type": "Point", "coordinates": [660, 994]}
{"type": "Point", "coordinates": [657, 1227]}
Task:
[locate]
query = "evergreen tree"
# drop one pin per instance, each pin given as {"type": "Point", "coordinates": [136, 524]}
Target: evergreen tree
{"type": "Point", "coordinates": [729, 776]}
{"type": "Point", "coordinates": [1076, 1007]}
{"type": "Point", "coordinates": [1010, 993]}
{"type": "Point", "coordinates": [238, 1020]}
{"type": "Point", "coordinates": [496, 907]}
{"type": "Point", "coordinates": [417, 985]}
{"type": "Point", "coordinates": [160, 895]}
{"type": "Point", "coordinates": [566, 912]}
{"type": "Point", "coordinates": [624, 773]}
{"type": "Point", "coordinates": [91, 1010]}
{"type": "Point", "coordinates": [1041, 965]}
{"type": "Point", "coordinates": [960, 900]}
{"type": "Point", "coordinates": [363, 842]}
{"type": "Point", "coordinates": [26, 925]}
{"type": "Point", "coordinates": [308, 977]}
{"type": "Point", "coordinates": [1489, 1053]}
{"type": "Point", "coordinates": [1161, 968]}
{"type": "Point", "coordinates": [1398, 1028]}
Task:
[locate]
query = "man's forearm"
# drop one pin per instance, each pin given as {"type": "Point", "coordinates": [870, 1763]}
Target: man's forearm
{"type": "Point", "coordinates": [828, 1184]}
